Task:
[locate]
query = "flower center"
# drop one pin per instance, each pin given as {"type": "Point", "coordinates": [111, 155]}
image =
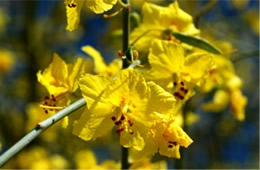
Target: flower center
{"type": "Point", "coordinates": [180, 89]}
{"type": "Point", "coordinates": [122, 121]}
{"type": "Point", "coordinates": [50, 103]}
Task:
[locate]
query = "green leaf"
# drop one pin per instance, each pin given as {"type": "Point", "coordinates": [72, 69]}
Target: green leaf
{"type": "Point", "coordinates": [197, 42]}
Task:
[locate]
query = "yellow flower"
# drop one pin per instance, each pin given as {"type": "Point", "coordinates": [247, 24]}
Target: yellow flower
{"type": "Point", "coordinates": [37, 158]}
{"type": "Point", "coordinates": [60, 79]}
{"type": "Point", "coordinates": [219, 103]}
{"type": "Point", "coordinates": [6, 60]}
{"type": "Point", "coordinates": [224, 77]}
{"type": "Point", "coordinates": [170, 137]}
{"type": "Point", "coordinates": [238, 104]}
{"type": "Point", "coordinates": [252, 19]}
{"type": "Point", "coordinates": [159, 23]}
{"type": "Point", "coordinates": [128, 102]}
{"type": "Point", "coordinates": [171, 69]}
{"type": "Point", "coordinates": [73, 9]}
{"type": "Point", "coordinates": [81, 163]}
{"type": "Point", "coordinates": [100, 66]}
{"type": "Point", "coordinates": [147, 164]}
{"type": "Point", "coordinates": [167, 137]}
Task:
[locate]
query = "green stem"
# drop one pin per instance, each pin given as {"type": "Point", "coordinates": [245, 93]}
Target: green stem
{"type": "Point", "coordinates": [40, 127]}
{"type": "Point", "coordinates": [180, 162]}
{"type": "Point", "coordinates": [124, 156]}
{"type": "Point", "coordinates": [126, 33]}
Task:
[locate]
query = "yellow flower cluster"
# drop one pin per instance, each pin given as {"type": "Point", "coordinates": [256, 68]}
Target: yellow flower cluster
{"type": "Point", "coordinates": [143, 105]}
{"type": "Point", "coordinates": [73, 9]}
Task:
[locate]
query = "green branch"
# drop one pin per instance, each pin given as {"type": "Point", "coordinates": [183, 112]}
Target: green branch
{"type": "Point", "coordinates": [127, 53]}
{"type": "Point", "coordinates": [40, 127]}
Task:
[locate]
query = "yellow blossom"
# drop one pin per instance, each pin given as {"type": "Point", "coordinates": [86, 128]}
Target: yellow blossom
{"type": "Point", "coordinates": [147, 164]}
{"type": "Point", "coordinates": [60, 79]}
{"type": "Point", "coordinates": [6, 60]}
{"type": "Point", "coordinates": [81, 163]}
{"type": "Point", "coordinates": [238, 103]}
{"type": "Point", "coordinates": [37, 158]}
{"type": "Point", "coordinates": [224, 77]}
{"type": "Point", "coordinates": [219, 103]}
{"type": "Point", "coordinates": [252, 19]}
{"type": "Point", "coordinates": [73, 9]}
{"type": "Point", "coordinates": [240, 4]}
{"type": "Point", "coordinates": [159, 23]}
{"type": "Point", "coordinates": [172, 70]}
{"type": "Point", "coordinates": [100, 66]}
{"type": "Point", "coordinates": [192, 118]}
{"type": "Point", "coordinates": [167, 137]}
{"type": "Point", "coordinates": [128, 102]}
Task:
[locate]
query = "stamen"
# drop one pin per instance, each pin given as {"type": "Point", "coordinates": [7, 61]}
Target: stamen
{"type": "Point", "coordinates": [72, 5]}
{"type": "Point", "coordinates": [174, 143]}
{"type": "Point", "coordinates": [175, 83]}
{"type": "Point", "coordinates": [176, 94]}
{"type": "Point", "coordinates": [113, 118]}
{"type": "Point", "coordinates": [118, 123]}
{"type": "Point", "coordinates": [212, 71]}
{"type": "Point", "coordinates": [119, 130]}
{"type": "Point", "coordinates": [51, 107]}
{"type": "Point", "coordinates": [182, 83]}
{"type": "Point", "coordinates": [131, 132]}
{"type": "Point", "coordinates": [130, 122]}
{"type": "Point", "coordinates": [122, 117]}
{"type": "Point", "coordinates": [120, 54]}
{"type": "Point", "coordinates": [170, 146]}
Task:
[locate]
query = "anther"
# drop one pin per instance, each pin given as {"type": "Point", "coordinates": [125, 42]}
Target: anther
{"type": "Point", "coordinates": [46, 111]}
{"type": "Point", "coordinates": [170, 146]}
{"type": "Point", "coordinates": [72, 5]}
{"type": "Point", "coordinates": [176, 94]}
{"type": "Point", "coordinates": [175, 83]}
{"type": "Point", "coordinates": [182, 89]}
{"type": "Point", "coordinates": [131, 132]}
{"type": "Point", "coordinates": [182, 83]}
{"type": "Point", "coordinates": [113, 118]}
{"type": "Point", "coordinates": [174, 143]}
{"type": "Point", "coordinates": [119, 130]}
{"type": "Point", "coordinates": [120, 54]}
{"type": "Point", "coordinates": [130, 122]}
{"type": "Point", "coordinates": [122, 117]}
{"type": "Point", "coordinates": [186, 91]}
{"type": "Point", "coordinates": [46, 98]}
{"type": "Point", "coordinates": [118, 123]}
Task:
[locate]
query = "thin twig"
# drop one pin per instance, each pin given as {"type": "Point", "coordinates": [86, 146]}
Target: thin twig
{"type": "Point", "coordinates": [40, 127]}
{"type": "Point", "coordinates": [210, 4]}
{"type": "Point", "coordinates": [127, 52]}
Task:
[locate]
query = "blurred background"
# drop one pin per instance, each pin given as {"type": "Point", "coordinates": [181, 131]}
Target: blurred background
{"type": "Point", "coordinates": [31, 31]}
